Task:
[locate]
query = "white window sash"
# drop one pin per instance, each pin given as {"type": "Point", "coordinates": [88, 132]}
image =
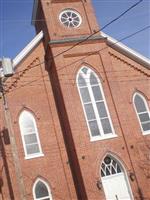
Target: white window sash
{"type": "Point", "coordinates": [48, 189]}
{"type": "Point", "coordinates": [26, 134]}
{"type": "Point", "coordinates": [138, 113]}
{"type": "Point", "coordinates": [93, 102]}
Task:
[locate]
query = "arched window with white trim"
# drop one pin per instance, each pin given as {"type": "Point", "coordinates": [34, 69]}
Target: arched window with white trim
{"type": "Point", "coordinates": [142, 111]}
{"type": "Point", "coordinates": [41, 190]}
{"type": "Point", "coordinates": [29, 134]}
{"type": "Point", "coordinates": [110, 166]}
{"type": "Point", "coordinates": [94, 105]}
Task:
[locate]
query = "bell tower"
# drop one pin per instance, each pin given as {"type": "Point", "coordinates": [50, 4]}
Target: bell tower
{"type": "Point", "coordinates": [64, 23]}
{"type": "Point", "coordinates": [64, 18]}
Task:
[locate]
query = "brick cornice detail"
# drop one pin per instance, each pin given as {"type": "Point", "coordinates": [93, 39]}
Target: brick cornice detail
{"type": "Point", "coordinates": [134, 67]}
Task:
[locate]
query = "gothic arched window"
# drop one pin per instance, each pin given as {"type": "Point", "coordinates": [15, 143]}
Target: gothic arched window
{"type": "Point", "coordinates": [41, 190]}
{"type": "Point", "coordinates": [110, 167]}
{"type": "Point", "coordinates": [94, 104]}
{"type": "Point", "coordinates": [142, 112]}
{"type": "Point", "coordinates": [29, 133]}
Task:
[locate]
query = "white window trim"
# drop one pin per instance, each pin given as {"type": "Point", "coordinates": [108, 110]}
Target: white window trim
{"type": "Point", "coordinates": [35, 155]}
{"type": "Point", "coordinates": [148, 111]}
{"type": "Point", "coordinates": [97, 138]}
{"type": "Point", "coordinates": [48, 188]}
{"type": "Point", "coordinates": [102, 136]}
{"type": "Point", "coordinates": [70, 10]}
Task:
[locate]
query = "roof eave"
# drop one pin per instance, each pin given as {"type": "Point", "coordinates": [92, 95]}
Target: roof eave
{"type": "Point", "coordinates": [127, 51]}
{"type": "Point", "coordinates": [27, 49]}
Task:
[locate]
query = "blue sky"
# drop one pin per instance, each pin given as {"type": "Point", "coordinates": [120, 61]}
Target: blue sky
{"type": "Point", "coordinates": [16, 30]}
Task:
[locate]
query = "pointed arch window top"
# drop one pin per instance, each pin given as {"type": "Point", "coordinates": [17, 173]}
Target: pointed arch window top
{"type": "Point", "coordinates": [110, 167]}
{"type": "Point", "coordinates": [94, 105]}
{"type": "Point", "coordinates": [29, 134]}
{"type": "Point", "coordinates": [81, 81]}
{"type": "Point", "coordinates": [143, 113]}
{"type": "Point", "coordinates": [93, 79]}
{"type": "Point", "coordinates": [41, 191]}
{"type": "Point", "coordinates": [139, 103]}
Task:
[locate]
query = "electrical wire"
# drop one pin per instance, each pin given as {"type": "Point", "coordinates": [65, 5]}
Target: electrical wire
{"type": "Point", "coordinates": [111, 45]}
{"type": "Point", "coordinates": [88, 37]}
{"type": "Point", "coordinates": [105, 26]}
{"type": "Point", "coordinates": [129, 36]}
{"type": "Point", "coordinates": [36, 20]}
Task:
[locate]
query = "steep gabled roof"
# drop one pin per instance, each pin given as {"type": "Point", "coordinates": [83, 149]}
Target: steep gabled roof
{"type": "Point", "coordinates": [28, 49]}
{"type": "Point", "coordinates": [113, 43]}
{"type": "Point", "coordinates": [145, 62]}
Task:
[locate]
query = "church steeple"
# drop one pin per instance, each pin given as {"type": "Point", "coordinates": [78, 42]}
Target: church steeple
{"type": "Point", "coordinates": [64, 18]}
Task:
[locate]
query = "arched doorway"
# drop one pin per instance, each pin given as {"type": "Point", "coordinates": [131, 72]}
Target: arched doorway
{"type": "Point", "coordinates": [115, 183]}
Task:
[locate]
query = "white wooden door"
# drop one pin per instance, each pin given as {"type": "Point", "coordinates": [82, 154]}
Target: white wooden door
{"type": "Point", "coordinates": [116, 187]}
{"type": "Point", "coordinates": [114, 180]}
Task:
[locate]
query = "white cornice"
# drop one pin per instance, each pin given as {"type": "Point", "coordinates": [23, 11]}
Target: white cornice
{"type": "Point", "coordinates": [127, 51]}
{"type": "Point", "coordinates": [111, 41]}
{"type": "Point", "coordinates": [35, 6]}
{"type": "Point", "coordinates": [27, 49]}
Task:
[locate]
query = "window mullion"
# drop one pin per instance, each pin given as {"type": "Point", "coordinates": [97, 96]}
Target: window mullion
{"type": "Point", "coordinates": [142, 112]}
{"type": "Point", "coordinates": [30, 133]}
{"type": "Point", "coordinates": [140, 103]}
{"type": "Point", "coordinates": [145, 122]}
{"type": "Point", "coordinates": [95, 108]}
{"type": "Point", "coordinates": [43, 198]}
{"type": "Point", "coordinates": [32, 144]}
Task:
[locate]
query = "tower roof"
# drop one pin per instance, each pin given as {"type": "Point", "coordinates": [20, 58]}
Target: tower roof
{"type": "Point", "coordinates": [35, 6]}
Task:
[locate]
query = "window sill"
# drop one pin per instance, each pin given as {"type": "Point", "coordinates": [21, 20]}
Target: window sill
{"type": "Point", "coordinates": [103, 137]}
{"type": "Point", "coordinates": [146, 133]}
{"type": "Point", "coordinates": [34, 156]}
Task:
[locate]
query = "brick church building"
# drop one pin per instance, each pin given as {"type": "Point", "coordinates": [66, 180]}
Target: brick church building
{"type": "Point", "coordinates": [77, 112]}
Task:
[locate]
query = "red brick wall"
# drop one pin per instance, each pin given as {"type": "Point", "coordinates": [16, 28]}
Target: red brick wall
{"type": "Point", "coordinates": [50, 12]}
{"type": "Point", "coordinates": [33, 92]}
{"type": "Point", "coordinates": [36, 89]}
{"type": "Point", "coordinates": [119, 80]}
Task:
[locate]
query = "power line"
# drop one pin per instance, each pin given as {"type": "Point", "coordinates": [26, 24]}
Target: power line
{"type": "Point", "coordinates": [111, 45]}
{"type": "Point", "coordinates": [119, 81]}
{"type": "Point", "coordinates": [62, 75]}
{"type": "Point", "coordinates": [28, 20]}
{"type": "Point", "coordinates": [120, 40]}
{"type": "Point", "coordinates": [105, 26]}
{"type": "Point", "coordinates": [108, 24]}
{"type": "Point", "coordinates": [129, 36]}
{"type": "Point", "coordinates": [71, 79]}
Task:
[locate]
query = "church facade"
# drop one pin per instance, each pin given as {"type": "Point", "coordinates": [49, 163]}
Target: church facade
{"type": "Point", "coordinates": [78, 110]}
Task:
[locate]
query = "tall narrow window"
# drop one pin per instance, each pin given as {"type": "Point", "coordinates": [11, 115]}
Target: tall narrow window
{"type": "Point", "coordinates": [94, 104]}
{"type": "Point", "coordinates": [143, 112]}
{"type": "Point", "coordinates": [41, 191]}
{"type": "Point", "coordinates": [29, 135]}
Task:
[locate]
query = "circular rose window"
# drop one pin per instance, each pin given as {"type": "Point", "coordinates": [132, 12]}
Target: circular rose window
{"type": "Point", "coordinates": [70, 18]}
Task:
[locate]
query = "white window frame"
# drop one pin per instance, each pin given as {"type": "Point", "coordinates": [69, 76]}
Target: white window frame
{"type": "Point", "coordinates": [102, 136]}
{"type": "Point", "coordinates": [110, 167]}
{"type": "Point", "coordinates": [72, 11]}
{"type": "Point", "coordinates": [147, 109]}
{"type": "Point", "coordinates": [30, 156]}
{"type": "Point", "coordinates": [47, 186]}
